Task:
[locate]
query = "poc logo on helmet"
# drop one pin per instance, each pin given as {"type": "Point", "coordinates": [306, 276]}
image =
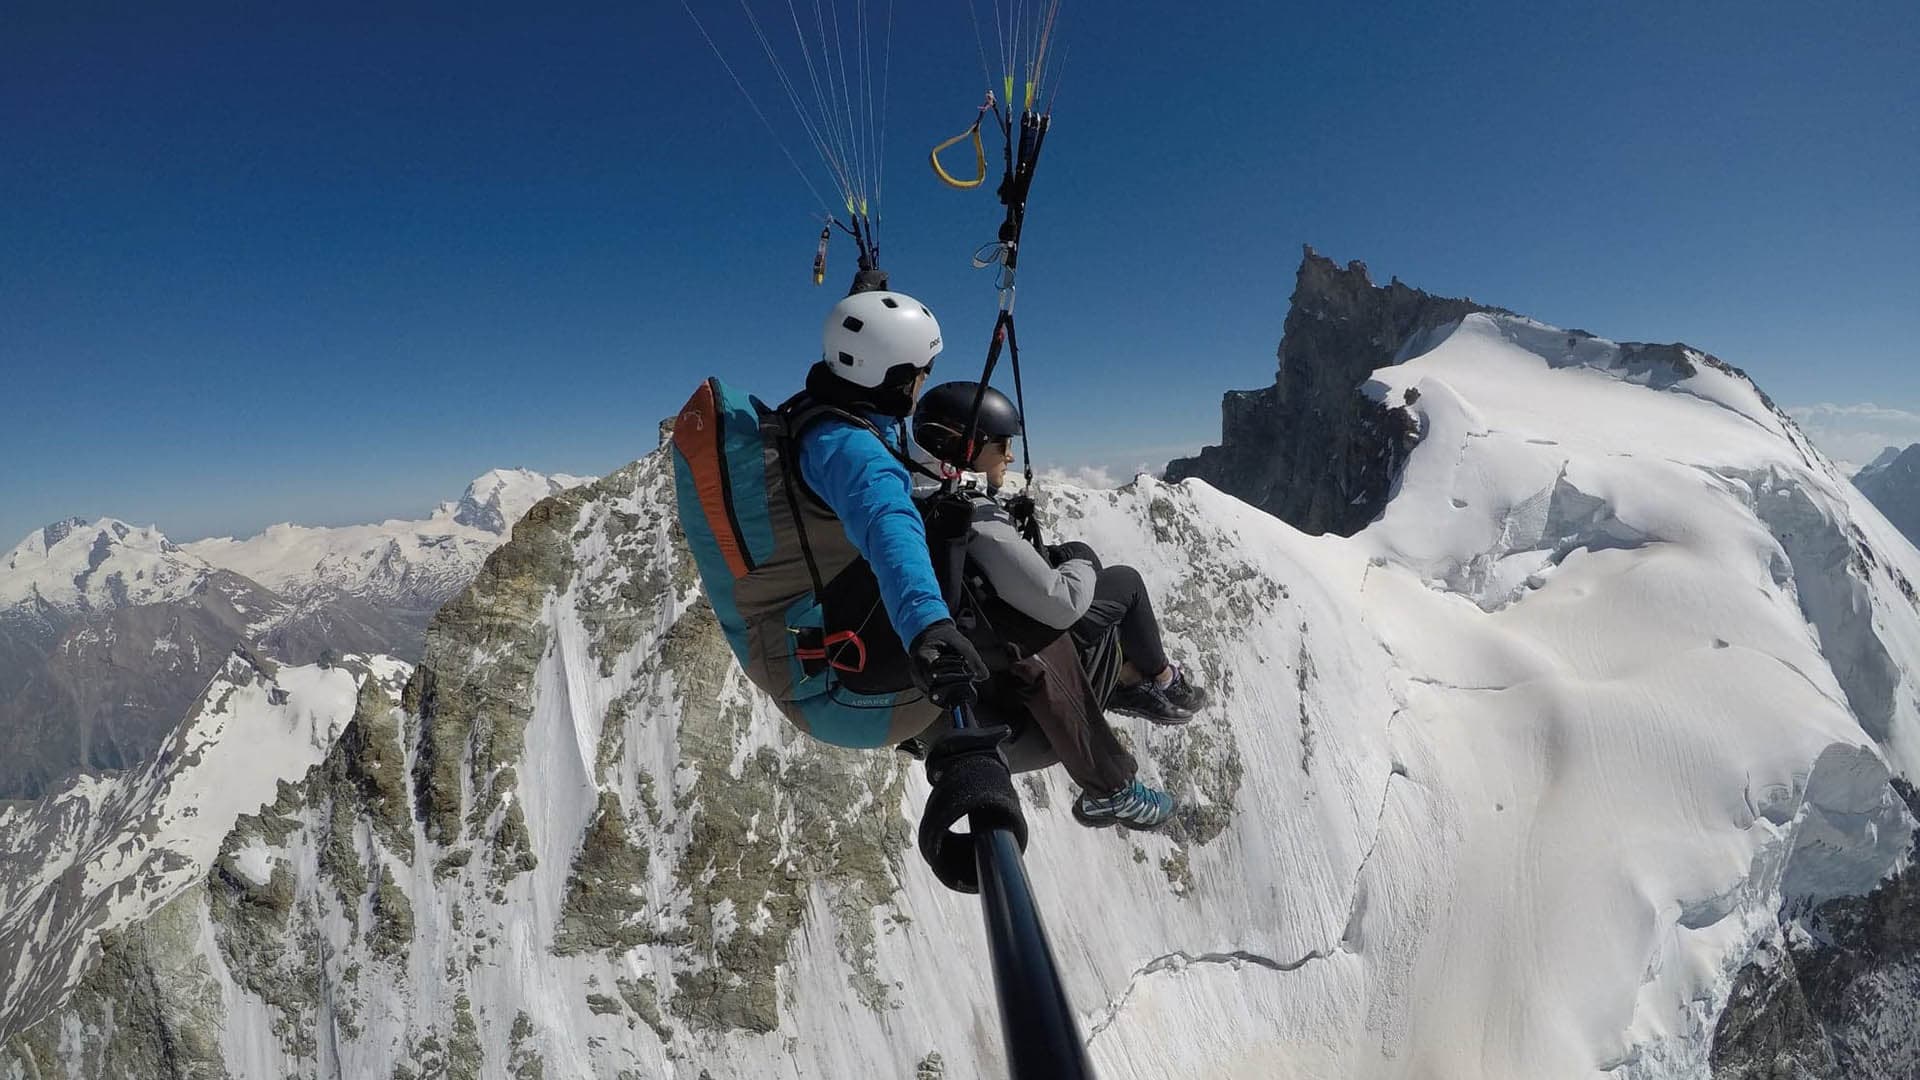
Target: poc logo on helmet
{"type": "Point", "coordinates": [869, 334]}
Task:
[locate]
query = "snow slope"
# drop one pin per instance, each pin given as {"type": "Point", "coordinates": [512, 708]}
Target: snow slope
{"type": "Point", "coordinates": [503, 496]}
{"type": "Point", "coordinates": [1660, 652]}
{"type": "Point", "coordinates": [1511, 784]}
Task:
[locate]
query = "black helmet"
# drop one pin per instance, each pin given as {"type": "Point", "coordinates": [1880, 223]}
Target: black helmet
{"type": "Point", "coordinates": [940, 420]}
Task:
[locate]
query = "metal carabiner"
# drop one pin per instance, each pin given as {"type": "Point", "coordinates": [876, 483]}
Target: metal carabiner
{"type": "Point", "coordinates": [989, 253]}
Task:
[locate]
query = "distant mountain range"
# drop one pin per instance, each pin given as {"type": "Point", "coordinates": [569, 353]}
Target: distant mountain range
{"type": "Point", "coordinates": [109, 631]}
{"type": "Point", "coordinates": [1892, 482]}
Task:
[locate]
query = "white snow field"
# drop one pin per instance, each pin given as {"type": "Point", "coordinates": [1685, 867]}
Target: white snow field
{"type": "Point", "coordinates": [1508, 786]}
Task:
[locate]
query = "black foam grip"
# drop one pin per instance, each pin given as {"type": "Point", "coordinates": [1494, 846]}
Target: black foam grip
{"type": "Point", "coordinates": [970, 780]}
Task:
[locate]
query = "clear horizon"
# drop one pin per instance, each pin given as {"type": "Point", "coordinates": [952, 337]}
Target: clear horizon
{"type": "Point", "coordinates": [329, 269]}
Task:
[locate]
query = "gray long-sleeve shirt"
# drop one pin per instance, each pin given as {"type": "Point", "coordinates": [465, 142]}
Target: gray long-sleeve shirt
{"type": "Point", "coordinates": [1020, 575]}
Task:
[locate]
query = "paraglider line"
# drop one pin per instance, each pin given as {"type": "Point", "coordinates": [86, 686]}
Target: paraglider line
{"type": "Point", "coordinates": [775, 135]}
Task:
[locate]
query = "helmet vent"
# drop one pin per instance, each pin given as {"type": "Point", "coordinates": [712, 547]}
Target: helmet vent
{"type": "Point", "coordinates": [924, 311]}
{"type": "Point", "coordinates": [889, 301]}
{"type": "Point", "coordinates": [847, 359]}
{"type": "Point", "coordinates": [852, 323]}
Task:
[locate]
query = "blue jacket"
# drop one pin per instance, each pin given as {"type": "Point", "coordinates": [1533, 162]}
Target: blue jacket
{"type": "Point", "coordinates": [871, 493]}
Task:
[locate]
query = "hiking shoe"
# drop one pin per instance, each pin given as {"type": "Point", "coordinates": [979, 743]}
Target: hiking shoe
{"type": "Point", "coordinates": [1135, 806]}
{"type": "Point", "coordinates": [1174, 703]}
{"type": "Point", "coordinates": [1182, 693]}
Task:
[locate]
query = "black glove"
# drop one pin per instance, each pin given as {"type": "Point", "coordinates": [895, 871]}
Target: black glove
{"type": "Point", "coordinates": [945, 664]}
{"type": "Point", "coordinates": [1020, 508]}
{"type": "Point", "coordinates": [1060, 554]}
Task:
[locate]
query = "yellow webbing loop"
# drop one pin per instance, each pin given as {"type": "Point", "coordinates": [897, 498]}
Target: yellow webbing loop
{"type": "Point", "coordinates": [979, 160]}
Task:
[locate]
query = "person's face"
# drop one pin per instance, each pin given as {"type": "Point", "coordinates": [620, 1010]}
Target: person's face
{"type": "Point", "coordinates": [919, 382]}
{"type": "Point", "coordinates": [993, 459]}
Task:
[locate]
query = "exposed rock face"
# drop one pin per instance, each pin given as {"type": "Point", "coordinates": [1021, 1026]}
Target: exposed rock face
{"type": "Point", "coordinates": [155, 991]}
{"type": "Point", "coordinates": [1892, 483]}
{"type": "Point", "coordinates": [585, 847]}
{"type": "Point", "coordinates": [1767, 1031]}
{"type": "Point", "coordinates": [1311, 449]}
{"type": "Point", "coordinates": [676, 857]}
{"type": "Point", "coordinates": [1880, 461]}
{"type": "Point", "coordinates": [1838, 998]}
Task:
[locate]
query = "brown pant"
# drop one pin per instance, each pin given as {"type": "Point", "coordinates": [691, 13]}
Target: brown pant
{"type": "Point", "coordinates": [1051, 705]}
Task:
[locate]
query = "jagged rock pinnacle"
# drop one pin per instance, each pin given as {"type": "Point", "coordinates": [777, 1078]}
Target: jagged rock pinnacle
{"type": "Point", "coordinates": [1310, 449]}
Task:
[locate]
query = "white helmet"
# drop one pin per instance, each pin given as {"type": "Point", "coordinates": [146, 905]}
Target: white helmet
{"type": "Point", "coordinates": [870, 334]}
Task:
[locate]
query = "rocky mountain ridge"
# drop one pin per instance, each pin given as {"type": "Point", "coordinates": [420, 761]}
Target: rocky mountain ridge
{"type": "Point", "coordinates": [1315, 449]}
{"type": "Point", "coordinates": [105, 852]}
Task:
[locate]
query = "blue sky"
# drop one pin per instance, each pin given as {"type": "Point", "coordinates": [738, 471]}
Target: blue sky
{"type": "Point", "coordinates": [327, 263]}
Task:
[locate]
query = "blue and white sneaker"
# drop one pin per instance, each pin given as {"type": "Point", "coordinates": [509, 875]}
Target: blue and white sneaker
{"type": "Point", "coordinates": [1135, 806]}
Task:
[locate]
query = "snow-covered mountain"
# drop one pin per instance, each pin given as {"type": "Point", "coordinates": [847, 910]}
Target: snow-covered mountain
{"type": "Point", "coordinates": [73, 567]}
{"type": "Point", "coordinates": [106, 853]}
{"type": "Point", "coordinates": [1892, 482]}
{"type": "Point", "coordinates": [100, 689]}
{"type": "Point", "coordinates": [109, 632]}
{"type": "Point", "coordinates": [500, 498]}
{"type": "Point", "coordinates": [399, 565]}
{"type": "Point", "coordinates": [1879, 463]}
{"type": "Point", "coordinates": [1583, 758]}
